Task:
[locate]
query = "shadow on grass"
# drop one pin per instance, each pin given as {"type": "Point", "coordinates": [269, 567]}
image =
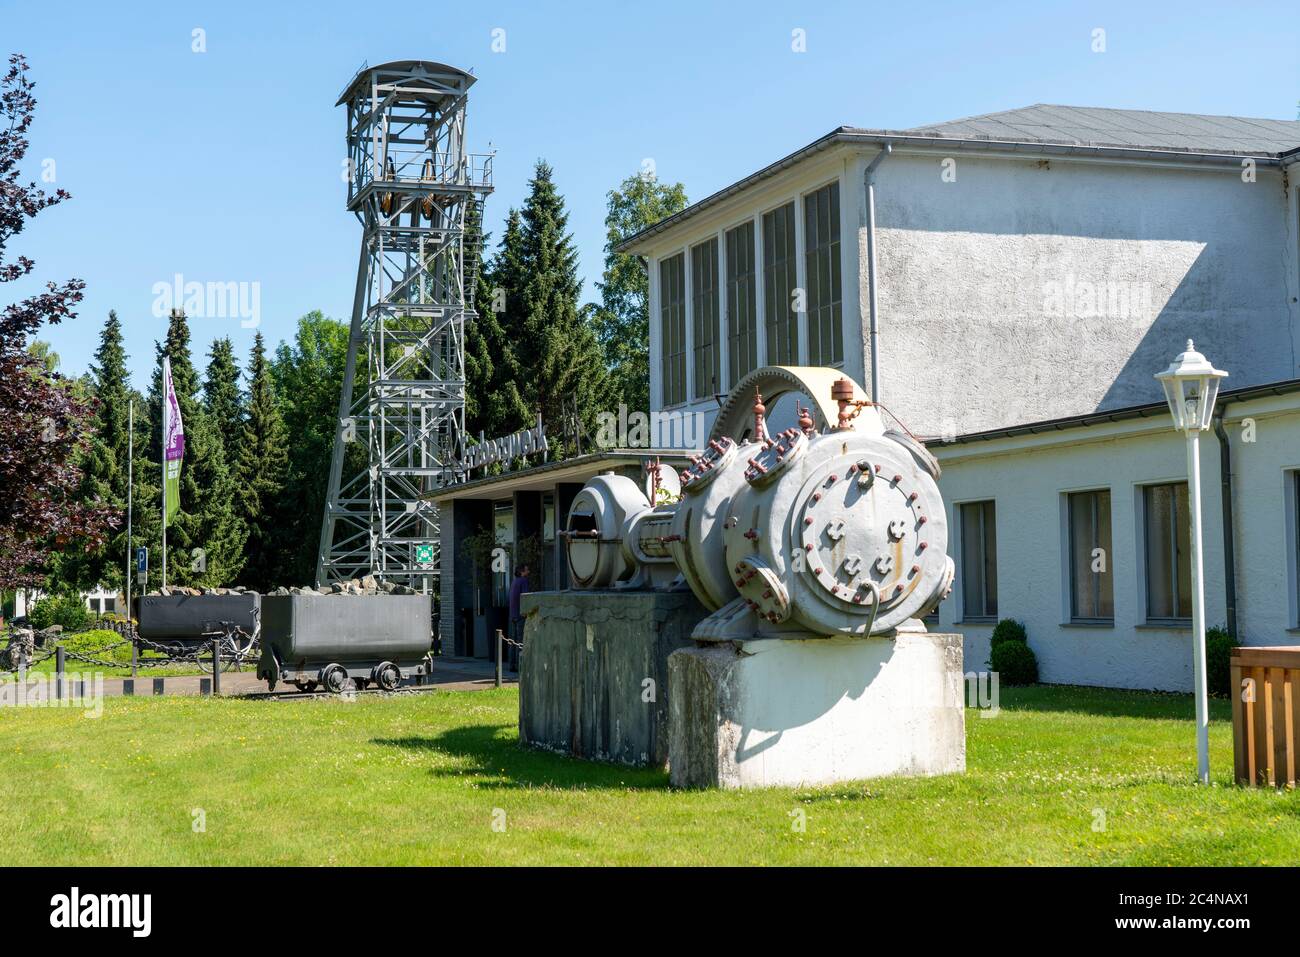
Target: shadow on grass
{"type": "Point", "coordinates": [1110, 702]}
{"type": "Point", "coordinates": [503, 763]}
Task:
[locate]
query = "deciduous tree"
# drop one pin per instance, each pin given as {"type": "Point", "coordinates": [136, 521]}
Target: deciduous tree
{"type": "Point", "coordinates": [44, 419]}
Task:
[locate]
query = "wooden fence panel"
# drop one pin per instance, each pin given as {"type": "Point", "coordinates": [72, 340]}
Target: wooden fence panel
{"type": "Point", "coordinates": [1266, 715]}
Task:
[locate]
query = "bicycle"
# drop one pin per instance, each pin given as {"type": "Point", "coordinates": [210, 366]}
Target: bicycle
{"type": "Point", "coordinates": [236, 645]}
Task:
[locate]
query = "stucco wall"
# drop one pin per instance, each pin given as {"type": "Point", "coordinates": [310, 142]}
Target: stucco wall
{"type": "Point", "coordinates": [1027, 478]}
{"type": "Point", "coordinates": [1027, 289]}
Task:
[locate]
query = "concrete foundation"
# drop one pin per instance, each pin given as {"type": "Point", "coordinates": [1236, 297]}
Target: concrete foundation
{"type": "Point", "coordinates": [791, 713]}
{"type": "Point", "coordinates": [593, 677]}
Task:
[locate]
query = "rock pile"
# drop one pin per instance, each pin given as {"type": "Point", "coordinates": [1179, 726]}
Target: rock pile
{"type": "Point", "coordinates": [358, 586]}
{"type": "Point", "coordinates": [185, 590]}
{"type": "Point", "coordinates": [369, 585]}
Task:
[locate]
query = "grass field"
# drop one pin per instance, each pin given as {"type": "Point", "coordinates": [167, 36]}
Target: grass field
{"type": "Point", "coordinates": [1059, 776]}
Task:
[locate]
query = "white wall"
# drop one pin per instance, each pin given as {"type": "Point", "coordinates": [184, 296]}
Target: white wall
{"type": "Point", "coordinates": [984, 283]}
{"type": "Point", "coordinates": [1027, 477]}
{"type": "Point", "coordinates": [1030, 288]}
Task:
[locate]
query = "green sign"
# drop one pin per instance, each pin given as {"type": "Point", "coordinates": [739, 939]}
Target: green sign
{"type": "Point", "coordinates": [424, 554]}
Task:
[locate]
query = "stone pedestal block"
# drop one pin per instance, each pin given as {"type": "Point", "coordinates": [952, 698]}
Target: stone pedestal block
{"type": "Point", "coordinates": [783, 712]}
{"type": "Point", "coordinates": [593, 677]}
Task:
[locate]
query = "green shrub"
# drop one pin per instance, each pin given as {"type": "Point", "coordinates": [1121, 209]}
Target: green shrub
{"type": "Point", "coordinates": [92, 644]}
{"type": "Point", "coordinates": [66, 610]}
{"type": "Point", "coordinates": [1218, 653]}
{"type": "Point", "coordinates": [1014, 663]}
{"type": "Point", "coordinates": [1008, 629]}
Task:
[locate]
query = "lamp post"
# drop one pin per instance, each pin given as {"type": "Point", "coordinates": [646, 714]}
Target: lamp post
{"type": "Point", "coordinates": [1191, 385]}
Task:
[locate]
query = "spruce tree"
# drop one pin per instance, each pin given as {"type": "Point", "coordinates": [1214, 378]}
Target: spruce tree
{"type": "Point", "coordinates": [205, 538]}
{"type": "Point", "coordinates": [104, 466]}
{"type": "Point", "coordinates": [560, 359]}
{"type": "Point", "coordinates": [493, 403]}
{"type": "Point", "coordinates": [263, 469]}
{"type": "Point", "coordinates": [221, 399]}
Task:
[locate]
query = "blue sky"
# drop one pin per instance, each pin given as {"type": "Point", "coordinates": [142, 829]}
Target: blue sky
{"type": "Point", "coordinates": [224, 166]}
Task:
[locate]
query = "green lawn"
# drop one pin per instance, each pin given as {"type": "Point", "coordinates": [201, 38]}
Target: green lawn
{"type": "Point", "coordinates": [417, 779]}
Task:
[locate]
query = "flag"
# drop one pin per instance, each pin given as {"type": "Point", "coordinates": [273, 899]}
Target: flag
{"type": "Point", "coordinates": [173, 445]}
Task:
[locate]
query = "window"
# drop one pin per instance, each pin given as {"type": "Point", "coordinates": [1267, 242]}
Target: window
{"type": "Point", "coordinates": [1295, 555]}
{"type": "Point", "coordinates": [1092, 592]}
{"type": "Point", "coordinates": [672, 320]}
{"type": "Point", "coordinates": [1168, 537]}
{"type": "Point", "coordinates": [780, 319]}
{"type": "Point", "coordinates": [704, 296]}
{"type": "Point", "coordinates": [742, 336]}
{"type": "Point", "coordinates": [979, 561]}
{"type": "Point", "coordinates": [821, 216]}
{"type": "Point", "coordinates": [503, 526]}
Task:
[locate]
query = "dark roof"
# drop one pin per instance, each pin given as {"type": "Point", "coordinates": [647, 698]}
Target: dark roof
{"type": "Point", "coordinates": [1133, 129]}
{"type": "Point", "coordinates": [1140, 135]}
{"type": "Point", "coordinates": [1145, 411]}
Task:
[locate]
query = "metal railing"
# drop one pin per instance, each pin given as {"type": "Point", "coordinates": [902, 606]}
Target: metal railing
{"type": "Point", "coordinates": [421, 166]}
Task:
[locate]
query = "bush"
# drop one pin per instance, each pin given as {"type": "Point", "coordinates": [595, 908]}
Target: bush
{"type": "Point", "coordinates": [92, 644]}
{"type": "Point", "coordinates": [1218, 654]}
{"type": "Point", "coordinates": [66, 610]}
{"type": "Point", "coordinates": [1008, 629]}
{"type": "Point", "coordinates": [1014, 662]}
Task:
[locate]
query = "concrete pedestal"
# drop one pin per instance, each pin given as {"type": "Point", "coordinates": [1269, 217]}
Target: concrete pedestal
{"type": "Point", "coordinates": [593, 677]}
{"type": "Point", "coordinates": [781, 712]}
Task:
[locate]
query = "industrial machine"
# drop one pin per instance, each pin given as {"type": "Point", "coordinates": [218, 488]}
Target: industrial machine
{"type": "Point", "coordinates": [833, 526]}
{"type": "Point", "coordinates": [326, 641]}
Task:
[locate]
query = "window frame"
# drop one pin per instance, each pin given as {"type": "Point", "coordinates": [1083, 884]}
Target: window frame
{"type": "Point", "coordinates": [1144, 555]}
{"type": "Point", "coordinates": [771, 324]}
{"type": "Point", "coordinates": [1291, 508]}
{"type": "Point", "coordinates": [1069, 566]}
{"type": "Point", "coordinates": [829, 254]}
{"type": "Point", "coordinates": [667, 355]}
{"type": "Point", "coordinates": [985, 505]}
{"type": "Point", "coordinates": [705, 316]}
{"type": "Point", "coordinates": [733, 286]}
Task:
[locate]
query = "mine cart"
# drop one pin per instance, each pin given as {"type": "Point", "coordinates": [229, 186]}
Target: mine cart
{"type": "Point", "coordinates": [179, 623]}
{"type": "Point", "coordinates": [337, 641]}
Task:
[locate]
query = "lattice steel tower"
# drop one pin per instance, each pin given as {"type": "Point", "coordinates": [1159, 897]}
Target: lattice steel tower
{"type": "Point", "coordinates": [400, 434]}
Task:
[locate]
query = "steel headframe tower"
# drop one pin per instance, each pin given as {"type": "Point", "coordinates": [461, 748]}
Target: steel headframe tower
{"type": "Point", "coordinates": [400, 433]}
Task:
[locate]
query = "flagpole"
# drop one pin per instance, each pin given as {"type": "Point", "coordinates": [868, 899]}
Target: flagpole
{"type": "Point", "coordinates": [166, 412]}
{"type": "Point", "coordinates": [130, 489]}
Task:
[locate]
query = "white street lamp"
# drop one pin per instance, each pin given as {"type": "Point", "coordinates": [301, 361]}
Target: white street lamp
{"type": "Point", "coordinates": [1191, 385]}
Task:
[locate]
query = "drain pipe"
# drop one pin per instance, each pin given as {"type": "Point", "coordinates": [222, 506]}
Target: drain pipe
{"type": "Point", "coordinates": [1225, 487]}
{"type": "Point", "coordinates": [869, 182]}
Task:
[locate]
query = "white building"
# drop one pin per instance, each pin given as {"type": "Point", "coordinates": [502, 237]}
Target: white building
{"type": "Point", "coordinates": [1033, 266]}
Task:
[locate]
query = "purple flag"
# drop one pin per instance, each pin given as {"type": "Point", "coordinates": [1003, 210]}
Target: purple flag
{"type": "Point", "coordinates": [173, 445]}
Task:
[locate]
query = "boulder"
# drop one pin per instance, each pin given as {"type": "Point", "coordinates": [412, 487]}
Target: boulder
{"type": "Point", "coordinates": [21, 647]}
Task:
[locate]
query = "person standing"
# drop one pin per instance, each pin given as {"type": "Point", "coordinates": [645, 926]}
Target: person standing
{"type": "Point", "coordinates": [518, 588]}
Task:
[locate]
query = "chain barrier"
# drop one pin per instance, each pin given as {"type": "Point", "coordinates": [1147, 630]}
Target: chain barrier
{"type": "Point", "coordinates": [237, 649]}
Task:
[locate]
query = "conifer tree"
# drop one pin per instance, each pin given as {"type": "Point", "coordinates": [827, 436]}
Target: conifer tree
{"type": "Point", "coordinates": [221, 399]}
{"type": "Point", "coordinates": [493, 403]}
{"type": "Point", "coordinates": [104, 466]}
{"type": "Point", "coordinates": [263, 469]}
{"type": "Point", "coordinates": [560, 360]}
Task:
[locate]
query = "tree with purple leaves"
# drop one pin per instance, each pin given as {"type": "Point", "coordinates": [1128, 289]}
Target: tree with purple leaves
{"type": "Point", "coordinates": [45, 421]}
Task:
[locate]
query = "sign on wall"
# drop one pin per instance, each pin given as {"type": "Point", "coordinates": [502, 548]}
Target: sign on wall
{"type": "Point", "coordinates": [507, 448]}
